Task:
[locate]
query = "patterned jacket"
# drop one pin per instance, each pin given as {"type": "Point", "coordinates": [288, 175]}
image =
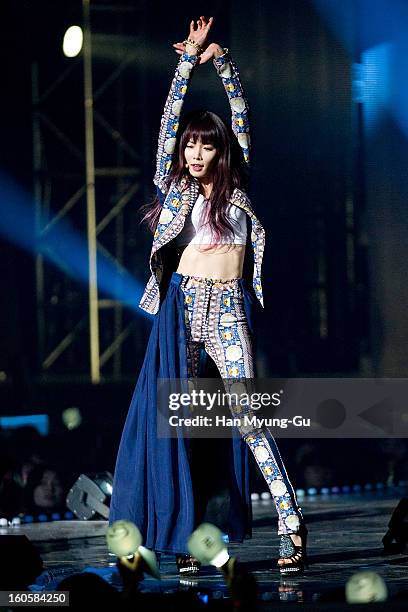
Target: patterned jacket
{"type": "Point", "coordinates": [179, 197]}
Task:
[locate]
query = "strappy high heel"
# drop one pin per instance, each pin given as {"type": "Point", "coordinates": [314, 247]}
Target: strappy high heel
{"type": "Point", "coordinates": [187, 565]}
{"type": "Point", "coordinates": [297, 555]}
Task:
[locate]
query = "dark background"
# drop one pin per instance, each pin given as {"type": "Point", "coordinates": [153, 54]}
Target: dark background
{"type": "Point", "coordinates": [329, 184]}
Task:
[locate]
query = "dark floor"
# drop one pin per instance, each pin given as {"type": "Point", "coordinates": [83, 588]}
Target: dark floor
{"type": "Point", "coordinates": [345, 533]}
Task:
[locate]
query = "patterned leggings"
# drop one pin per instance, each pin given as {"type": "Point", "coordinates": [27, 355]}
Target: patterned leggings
{"type": "Point", "coordinates": [216, 319]}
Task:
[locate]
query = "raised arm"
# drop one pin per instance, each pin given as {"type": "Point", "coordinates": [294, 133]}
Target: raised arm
{"type": "Point", "coordinates": [170, 119]}
{"type": "Point", "coordinates": [228, 72]}
{"type": "Point", "coordinates": [174, 103]}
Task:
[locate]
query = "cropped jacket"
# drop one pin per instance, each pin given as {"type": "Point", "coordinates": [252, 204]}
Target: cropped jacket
{"type": "Point", "coordinates": [179, 197]}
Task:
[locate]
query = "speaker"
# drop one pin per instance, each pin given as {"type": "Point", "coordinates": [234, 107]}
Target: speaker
{"type": "Point", "coordinates": [20, 562]}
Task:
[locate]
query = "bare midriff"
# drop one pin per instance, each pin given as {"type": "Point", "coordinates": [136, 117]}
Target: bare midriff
{"type": "Point", "coordinates": [222, 261]}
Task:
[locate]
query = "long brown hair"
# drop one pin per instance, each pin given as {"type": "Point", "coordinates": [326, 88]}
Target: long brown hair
{"type": "Point", "coordinates": [228, 171]}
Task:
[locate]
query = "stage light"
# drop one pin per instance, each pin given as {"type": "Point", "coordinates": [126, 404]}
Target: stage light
{"type": "Point", "coordinates": [124, 541]}
{"type": "Point", "coordinates": [104, 482]}
{"type": "Point", "coordinates": [71, 417]}
{"type": "Point", "coordinates": [64, 248]}
{"type": "Point", "coordinates": [89, 496]}
{"type": "Point", "coordinates": [72, 43]}
{"type": "Point", "coordinates": [365, 587]}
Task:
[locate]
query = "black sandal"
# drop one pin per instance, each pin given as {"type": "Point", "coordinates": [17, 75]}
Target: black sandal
{"type": "Point", "coordinates": [296, 555]}
{"type": "Point", "coordinates": [187, 565]}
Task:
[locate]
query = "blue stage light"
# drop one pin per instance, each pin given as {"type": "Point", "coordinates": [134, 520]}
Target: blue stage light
{"type": "Point", "coordinates": [28, 518]}
{"type": "Point", "coordinates": [203, 597]}
{"type": "Point", "coordinates": [63, 247]}
{"type": "Point", "coordinates": [40, 422]}
{"type": "Point", "coordinates": [42, 518]}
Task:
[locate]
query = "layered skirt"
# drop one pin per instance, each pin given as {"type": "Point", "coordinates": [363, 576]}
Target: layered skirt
{"type": "Point", "coordinates": [155, 484]}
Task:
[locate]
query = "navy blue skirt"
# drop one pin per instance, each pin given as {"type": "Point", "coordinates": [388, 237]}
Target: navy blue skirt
{"type": "Point", "coordinates": [153, 482]}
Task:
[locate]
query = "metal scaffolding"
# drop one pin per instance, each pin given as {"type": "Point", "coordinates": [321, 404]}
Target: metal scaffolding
{"type": "Point", "coordinates": [88, 168]}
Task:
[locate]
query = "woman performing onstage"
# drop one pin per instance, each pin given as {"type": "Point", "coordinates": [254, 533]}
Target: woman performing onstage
{"type": "Point", "coordinates": [202, 305]}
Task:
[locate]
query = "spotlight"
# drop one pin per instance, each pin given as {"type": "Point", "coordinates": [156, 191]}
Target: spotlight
{"type": "Point", "coordinates": [89, 495]}
{"type": "Point", "coordinates": [72, 43]}
{"type": "Point", "coordinates": [124, 540]}
{"type": "Point", "coordinates": [365, 587]}
{"type": "Point", "coordinates": [207, 545]}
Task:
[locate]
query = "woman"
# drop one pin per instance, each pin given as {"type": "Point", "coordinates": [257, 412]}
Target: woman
{"type": "Point", "coordinates": [199, 220]}
{"type": "Point", "coordinates": [44, 491]}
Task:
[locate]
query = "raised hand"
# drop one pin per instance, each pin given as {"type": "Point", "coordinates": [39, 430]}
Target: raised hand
{"type": "Point", "coordinates": [198, 33]}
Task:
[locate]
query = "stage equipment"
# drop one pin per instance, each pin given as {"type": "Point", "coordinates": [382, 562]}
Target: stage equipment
{"type": "Point", "coordinates": [366, 587]}
{"type": "Point", "coordinates": [396, 538]}
{"type": "Point", "coordinates": [89, 497]}
{"type": "Point", "coordinates": [73, 41]}
{"type": "Point", "coordinates": [84, 195]}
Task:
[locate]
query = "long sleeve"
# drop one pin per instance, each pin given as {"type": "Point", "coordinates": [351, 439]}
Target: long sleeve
{"type": "Point", "coordinates": [170, 119]}
{"type": "Point", "coordinates": [228, 72]}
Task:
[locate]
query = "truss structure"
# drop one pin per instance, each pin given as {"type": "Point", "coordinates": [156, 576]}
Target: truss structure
{"type": "Point", "coordinates": [90, 145]}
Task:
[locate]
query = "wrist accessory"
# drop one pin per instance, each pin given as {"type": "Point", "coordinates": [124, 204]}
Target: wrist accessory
{"type": "Point", "coordinates": [193, 43]}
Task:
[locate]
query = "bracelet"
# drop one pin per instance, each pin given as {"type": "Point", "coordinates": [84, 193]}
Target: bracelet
{"type": "Point", "coordinates": [193, 43]}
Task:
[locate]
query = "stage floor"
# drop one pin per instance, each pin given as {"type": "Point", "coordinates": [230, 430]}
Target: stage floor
{"type": "Point", "coordinates": [345, 533]}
